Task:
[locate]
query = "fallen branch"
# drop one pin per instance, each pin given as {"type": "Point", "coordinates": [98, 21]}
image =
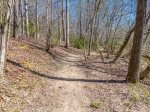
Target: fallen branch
{"type": "Point", "coordinates": [145, 73]}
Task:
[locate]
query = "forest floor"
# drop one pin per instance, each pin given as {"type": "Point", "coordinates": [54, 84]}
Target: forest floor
{"type": "Point", "coordinates": [60, 81]}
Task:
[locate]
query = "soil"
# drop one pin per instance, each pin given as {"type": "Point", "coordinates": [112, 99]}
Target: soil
{"type": "Point", "coordinates": [61, 81]}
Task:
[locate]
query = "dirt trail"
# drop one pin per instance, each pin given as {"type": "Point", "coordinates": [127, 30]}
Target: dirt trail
{"type": "Point", "coordinates": [72, 96]}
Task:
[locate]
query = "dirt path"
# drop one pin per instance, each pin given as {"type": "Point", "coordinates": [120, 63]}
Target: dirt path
{"type": "Point", "coordinates": [71, 93]}
{"type": "Point", "coordinates": [72, 96]}
{"type": "Point", "coordinates": [62, 93]}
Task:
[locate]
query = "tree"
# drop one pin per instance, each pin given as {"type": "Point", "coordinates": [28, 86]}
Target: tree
{"type": "Point", "coordinates": [3, 36]}
{"type": "Point", "coordinates": [16, 18]}
{"type": "Point", "coordinates": [134, 63]}
{"type": "Point", "coordinates": [37, 21]}
{"type": "Point", "coordinates": [67, 25]}
{"type": "Point", "coordinates": [26, 17]}
{"type": "Point", "coordinates": [22, 17]}
{"type": "Point", "coordinates": [62, 17]}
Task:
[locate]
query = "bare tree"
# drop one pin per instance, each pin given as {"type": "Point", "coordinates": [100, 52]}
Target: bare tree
{"type": "Point", "coordinates": [3, 37]}
{"type": "Point", "coordinates": [26, 17]}
{"type": "Point", "coordinates": [134, 63]}
{"type": "Point", "coordinates": [16, 18]}
{"type": "Point", "coordinates": [67, 25]}
{"type": "Point", "coordinates": [37, 21]}
{"type": "Point", "coordinates": [62, 17]}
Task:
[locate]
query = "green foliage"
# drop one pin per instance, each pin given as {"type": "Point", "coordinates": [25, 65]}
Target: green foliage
{"type": "Point", "coordinates": [77, 42]}
{"type": "Point", "coordinates": [55, 41]}
{"type": "Point", "coordinates": [32, 28]}
{"type": "Point", "coordinates": [134, 98]}
{"type": "Point", "coordinates": [147, 93]}
{"type": "Point", "coordinates": [96, 104]}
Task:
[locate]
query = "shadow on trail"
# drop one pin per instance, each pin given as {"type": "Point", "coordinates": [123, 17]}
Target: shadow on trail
{"type": "Point", "coordinates": [60, 57]}
{"type": "Point", "coordinates": [65, 79]}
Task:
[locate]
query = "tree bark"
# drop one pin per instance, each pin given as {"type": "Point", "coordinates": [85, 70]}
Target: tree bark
{"type": "Point", "coordinates": [48, 45]}
{"type": "Point", "coordinates": [16, 18]}
{"type": "Point", "coordinates": [26, 17]}
{"type": "Point", "coordinates": [67, 25]}
{"type": "Point", "coordinates": [145, 73]}
{"type": "Point", "coordinates": [22, 17]}
{"type": "Point", "coordinates": [37, 21]}
{"type": "Point", "coordinates": [3, 39]}
{"type": "Point", "coordinates": [134, 62]}
{"type": "Point", "coordinates": [127, 38]}
{"type": "Point", "coordinates": [63, 26]}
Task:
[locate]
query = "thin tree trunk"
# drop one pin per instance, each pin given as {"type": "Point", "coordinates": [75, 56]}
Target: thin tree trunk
{"type": "Point", "coordinates": [90, 39]}
{"type": "Point", "coordinates": [145, 72]}
{"type": "Point", "coordinates": [67, 25]}
{"type": "Point", "coordinates": [16, 18]}
{"type": "Point", "coordinates": [22, 18]}
{"type": "Point", "coordinates": [26, 17]}
{"type": "Point", "coordinates": [48, 45]}
{"type": "Point", "coordinates": [3, 38]}
{"type": "Point", "coordinates": [47, 13]}
{"type": "Point", "coordinates": [63, 26]}
{"type": "Point", "coordinates": [37, 21]}
{"type": "Point", "coordinates": [127, 38]}
{"type": "Point", "coordinates": [80, 18]}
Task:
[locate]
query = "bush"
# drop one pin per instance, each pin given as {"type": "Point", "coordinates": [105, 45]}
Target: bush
{"type": "Point", "coordinates": [32, 28]}
{"type": "Point", "coordinates": [55, 41]}
{"type": "Point", "coordinates": [96, 104]}
{"type": "Point", "coordinates": [77, 42]}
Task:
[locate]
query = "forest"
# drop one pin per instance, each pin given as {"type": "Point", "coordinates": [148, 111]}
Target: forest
{"type": "Point", "coordinates": [74, 56]}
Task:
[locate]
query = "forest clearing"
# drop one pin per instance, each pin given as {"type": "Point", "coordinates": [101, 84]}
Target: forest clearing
{"type": "Point", "coordinates": [74, 56]}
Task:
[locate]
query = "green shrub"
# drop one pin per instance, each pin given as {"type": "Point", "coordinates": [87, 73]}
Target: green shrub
{"type": "Point", "coordinates": [77, 42]}
{"type": "Point", "coordinates": [55, 41]}
{"type": "Point", "coordinates": [96, 104]}
{"type": "Point", "coordinates": [32, 28]}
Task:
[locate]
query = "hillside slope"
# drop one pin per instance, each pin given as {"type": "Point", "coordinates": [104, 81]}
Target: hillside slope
{"type": "Point", "coordinates": [60, 81]}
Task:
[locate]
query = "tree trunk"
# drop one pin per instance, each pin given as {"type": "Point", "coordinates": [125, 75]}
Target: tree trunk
{"type": "Point", "coordinates": [134, 63]}
{"type": "Point", "coordinates": [145, 73]}
{"type": "Point", "coordinates": [90, 39]}
{"type": "Point", "coordinates": [3, 38]}
{"type": "Point", "coordinates": [47, 13]}
{"type": "Point", "coordinates": [80, 18]}
{"type": "Point", "coordinates": [127, 38]}
{"type": "Point", "coordinates": [37, 21]}
{"type": "Point", "coordinates": [67, 25]}
{"type": "Point", "coordinates": [26, 17]}
{"type": "Point", "coordinates": [63, 26]}
{"type": "Point", "coordinates": [48, 45]}
{"type": "Point", "coordinates": [16, 18]}
{"type": "Point", "coordinates": [22, 18]}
